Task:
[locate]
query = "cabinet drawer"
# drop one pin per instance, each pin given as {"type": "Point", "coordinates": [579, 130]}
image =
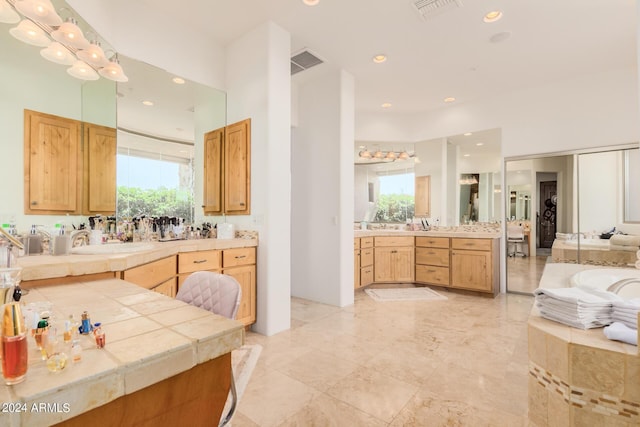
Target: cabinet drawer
{"type": "Point", "coordinates": [475, 244]}
{"type": "Point", "coordinates": [434, 275]}
{"type": "Point", "coordinates": [152, 274]}
{"type": "Point", "coordinates": [167, 288]}
{"type": "Point", "coordinates": [188, 262]}
{"type": "Point", "coordinates": [366, 257]}
{"type": "Point", "coordinates": [366, 242]}
{"type": "Point", "coordinates": [433, 242]}
{"type": "Point", "coordinates": [431, 256]}
{"type": "Point", "coordinates": [238, 256]}
{"type": "Point", "coordinates": [356, 244]}
{"type": "Point", "coordinates": [394, 241]}
{"type": "Point", "coordinates": [366, 275]}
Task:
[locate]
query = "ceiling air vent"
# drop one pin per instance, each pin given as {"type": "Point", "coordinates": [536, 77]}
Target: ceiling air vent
{"type": "Point", "coordinates": [430, 8]}
{"type": "Point", "coordinates": [304, 60]}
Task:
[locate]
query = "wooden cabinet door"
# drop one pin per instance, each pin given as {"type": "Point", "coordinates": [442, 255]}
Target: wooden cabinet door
{"type": "Point", "coordinates": [356, 269]}
{"type": "Point", "coordinates": [167, 288]}
{"type": "Point", "coordinates": [52, 182]}
{"type": "Point", "coordinates": [382, 270]}
{"type": "Point", "coordinates": [471, 270]}
{"type": "Point", "coordinates": [402, 261]}
{"type": "Point", "coordinates": [237, 168]}
{"type": "Point", "coordinates": [246, 276]}
{"type": "Point", "coordinates": [100, 150]}
{"type": "Point", "coordinates": [213, 182]}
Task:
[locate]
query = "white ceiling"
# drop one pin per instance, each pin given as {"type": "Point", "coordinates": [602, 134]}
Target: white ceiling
{"type": "Point", "coordinates": [447, 55]}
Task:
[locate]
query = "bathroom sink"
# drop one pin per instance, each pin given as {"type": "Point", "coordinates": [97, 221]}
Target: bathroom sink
{"type": "Point", "coordinates": [602, 278]}
{"type": "Point", "coordinates": [118, 248]}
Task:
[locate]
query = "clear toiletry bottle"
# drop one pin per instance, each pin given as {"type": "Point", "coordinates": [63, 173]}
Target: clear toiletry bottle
{"type": "Point", "coordinates": [98, 334]}
{"type": "Point", "coordinates": [14, 344]}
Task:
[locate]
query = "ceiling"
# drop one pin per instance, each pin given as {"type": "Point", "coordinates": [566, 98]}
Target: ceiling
{"type": "Point", "coordinates": [448, 55]}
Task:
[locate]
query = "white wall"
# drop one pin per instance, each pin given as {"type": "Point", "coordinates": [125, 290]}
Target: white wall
{"type": "Point", "coordinates": [258, 87]}
{"type": "Point", "coordinates": [432, 157]}
{"type": "Point", "coordinates": [322, 190]}
{"type": "Point", "coordinates": [598, 196]}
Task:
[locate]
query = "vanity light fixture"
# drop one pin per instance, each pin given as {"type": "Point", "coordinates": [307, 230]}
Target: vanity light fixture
{"type": "Point", "coordinates": [449, 99]}
{"type": "Point", "coordinates": [467, 180]}
{"type": "Point", "coordinates": [70, 34]}
{"type": "Point", "coordinates": [466, 155]}
{"type": "Point", "coordinates": [479, 144]}
{"type": "Point", "coordinates": [311, 2]}
{"type": "Point", "coordinates": [379, 58]}
{"type": "Point", "coordinates": [493, 16]}
{"type": "Point", "coordinates": [365, 154]}
{"type": "Point", "coordinates": [378, 154]}
{"type": "Point", "coordinates": [113, 71]}
{"type": "Point", "coordinates": [41, 11]}
{"type": "Point", "coordinates": [403, 155]}
{"type": "Point", "coordinates": [81, 70]}
{"type": "Point", "coordinates": [390, 155]}
{"type": "Point", "coordinates": [7, 14]}
{"type": "Point", "coordinates": [385, 156]}
{"type": "Point", "coordinates": [386, 105]}
{"type": "Point", "coordinates": [57, 53]}
{"type": "Point", "coordinates": [178, 80]}
{"type": "Point", "coordinates": [94, 55]}
{"type": "Point", "coordinates": [30, 33]}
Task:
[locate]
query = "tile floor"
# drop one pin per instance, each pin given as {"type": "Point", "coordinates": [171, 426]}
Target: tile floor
{"type": "Point", "coordinates": [524, 273]}
{"type": "Point", "coordinates": [459, 362]}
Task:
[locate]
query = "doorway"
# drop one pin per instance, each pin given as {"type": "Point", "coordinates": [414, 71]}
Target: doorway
{"type": "Point", "coordinates": [547, 213]}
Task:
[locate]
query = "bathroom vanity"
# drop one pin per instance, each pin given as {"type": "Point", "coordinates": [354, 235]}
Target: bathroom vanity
{"type": "Point", "coordinates": [579, 377]}
{"type": "Point", "coordinates": [465, 260]}
{"type": "Point", "coordinates": [159, 267]}
{"type": "Point", "coordinates": [164, 363]}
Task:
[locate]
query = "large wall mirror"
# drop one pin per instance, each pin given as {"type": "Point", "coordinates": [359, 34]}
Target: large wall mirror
{"type": "Point", "coordinates": [573, 211]}
{"type": "Point", "coordinates": [159, 144]}
{"type": "Point", "coordinates": [433, 180]}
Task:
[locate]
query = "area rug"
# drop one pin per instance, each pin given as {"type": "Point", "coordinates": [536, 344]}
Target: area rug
{"type": "Point", "coordinates": [243, 361]}
{"type": "Point", "coordinates": [404, 294]}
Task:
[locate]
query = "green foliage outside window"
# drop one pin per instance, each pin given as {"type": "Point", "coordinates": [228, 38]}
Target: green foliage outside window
{"type": "Point", "coordinates": [163, 201]}
{"type": "Point", "coordinates": [394, 208]}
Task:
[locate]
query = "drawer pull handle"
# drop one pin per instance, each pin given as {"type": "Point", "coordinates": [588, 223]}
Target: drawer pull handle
{"type": "Point", "coordinates": [199, 261]}
{"type": "Point", "coordinates": [240, 256]}
{"type": "Point", "coordinates": [431, 271]}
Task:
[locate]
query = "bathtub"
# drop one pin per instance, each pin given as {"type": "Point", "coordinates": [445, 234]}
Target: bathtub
{"type": "Point", "coordinates": [602, 278]}
{"type": "Point", "coordinates": [602, 244]}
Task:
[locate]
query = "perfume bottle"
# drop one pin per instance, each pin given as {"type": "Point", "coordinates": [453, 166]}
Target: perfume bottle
{"type": "Point", "coordinates": [85, 327]}
{"type": "Point", "coordinates": [14, 345]}
{"type": "Point", "coordinates": [42, 335]}
{"type": "Point", "coordinates": [98, 334]}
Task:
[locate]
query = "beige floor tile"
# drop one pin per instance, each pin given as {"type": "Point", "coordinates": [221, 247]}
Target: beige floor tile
{"type": "Point", "coordinates": [273, 397]}
{"type": "Point", "coordinates": [376, 394]}
{"type": "Point", "coordinates": [325, 411]}
{"type": "Point", "coordinates": [318, 369]}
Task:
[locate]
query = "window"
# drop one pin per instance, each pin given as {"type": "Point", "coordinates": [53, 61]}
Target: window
{"type": "Point", "coordinates": [395, 197]}
{"type": "Point", "coordinates": [155, 183]}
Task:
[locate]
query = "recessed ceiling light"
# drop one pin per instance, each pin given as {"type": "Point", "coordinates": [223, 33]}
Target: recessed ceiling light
{"type": "Point", "coordinates": [466, 155]}
{"type": "Point", "coordinates": [468, 134]}
{"type": "Point", "coordinates": [386, 105]}
{"type": "Point", "coordinates": [480, 144]}
{"type": "Point", "coordinates": [178, 80]}
{"type": "Point", "coordinates": [311, 2]}
{"type": "Point", "coordinates": [361, 146]}
{"type": "Point", "coordinates": [147, 103]}
{"type": "Point", "coordinates": [380, 58]}
{"type": "Point", "coordinates": [449, 99]}
{"type": "Point", "coordinates": [492, 16]}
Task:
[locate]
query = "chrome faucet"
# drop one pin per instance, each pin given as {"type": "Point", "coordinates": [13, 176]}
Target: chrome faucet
{"type": "Point", "coordinates": [616, 287]}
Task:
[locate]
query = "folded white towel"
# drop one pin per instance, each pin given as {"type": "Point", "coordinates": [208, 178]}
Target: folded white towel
{"type": "Point", "coordinates": [630, 304]}
{"type": "Point", "coordinates": [638, 254]}
{"type": "Point", "coordinates": [585, 297]}
{"type": "Point", "coordinates": [625, 240]}
{"type": "Point", "coordinates": [576, 323]}
{"type": "Point", "coordinates": [638, 264]}
{"type": "Point", "coordinates": [619, 332]}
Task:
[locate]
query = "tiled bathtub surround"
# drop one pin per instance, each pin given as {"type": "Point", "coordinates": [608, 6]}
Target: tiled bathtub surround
{"type": "Point", "coordinates": [577, 377]}
{"type": "Point", "coordinates": [149, 337]}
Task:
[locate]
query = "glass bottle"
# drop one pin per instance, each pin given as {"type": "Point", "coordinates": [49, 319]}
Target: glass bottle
{"type": "Point", "coordinates": [14, 344]}
{"type": "Point", "coordinates": [98, 333]}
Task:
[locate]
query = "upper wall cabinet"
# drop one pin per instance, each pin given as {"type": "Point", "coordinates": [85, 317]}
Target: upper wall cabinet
{"type": "Point", "coordinates": [227, 170]}
{"type": "Point", "coordinates": [65, 173]}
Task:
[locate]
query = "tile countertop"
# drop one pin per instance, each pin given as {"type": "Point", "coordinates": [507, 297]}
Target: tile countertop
{"type": "Point", "coordinates": [557, 275]}
{"type": "Point", "coordinates": [432, 233]}
{"type": "Point", "coordinates": [149, 338]}
{"type": "Point", "coordinates": [48, 266]}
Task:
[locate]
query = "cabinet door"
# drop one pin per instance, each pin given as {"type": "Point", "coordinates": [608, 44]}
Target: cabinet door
{"type": "Point", "coordinates": [167, 288]}
{"type": "Point", "coordinates": [213, 142]}
{"type": "Point", "coordinates": [383, 271]}
{"type": "Point", "coordinates": [356, 269]}
{"type": "Point", "coordinates": [402, 262]}
{"type": "Point", "coordinates": [237, 168]}
{"type": "Point", "coordinates": [246, 276]}
{"type": "Point", "coordinates": [366, 275]}
{"type": "Point", "coordinates": [471, 270]}
{"type": "Point", "coordinates": [52, 161]}
{"type": "Point", "coordinates": [100, 150]}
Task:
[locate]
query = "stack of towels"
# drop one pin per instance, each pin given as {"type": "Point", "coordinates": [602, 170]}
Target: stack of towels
{"type": "Point", "coordinates": [626, 312]}
{"type": "Point", "coordinates": [624, 242]}
{"type": "Point", "coordinates": [577, 307]}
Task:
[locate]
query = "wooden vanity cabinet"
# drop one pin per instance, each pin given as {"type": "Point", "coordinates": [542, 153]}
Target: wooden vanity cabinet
{"type": "Point", "coordinates": [475, 264]}
{"type": "Point", "coordinates": [240, 263]}
{"type": "Point", "coordinates": [432, 260]}
{"type": "Point", "coordinates": [356, 263]}
{"type": "Point", "coordinates": [100, 151]}
{"type": "Point", "coordinates": [227, 170]}
{"type": "Point", "coordinates": [189, 262]}
{"type": "Point", "coordinates": [394, 259]}
{"type": "Point", "coordinates": [158, 276]}
{"type": "Point", "coordinates": [366, 261]}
